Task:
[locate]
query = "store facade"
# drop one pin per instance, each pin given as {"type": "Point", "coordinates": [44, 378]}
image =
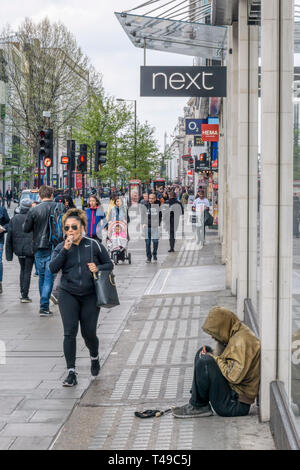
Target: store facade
{"type": "Point", "coordinates": [258, 182]}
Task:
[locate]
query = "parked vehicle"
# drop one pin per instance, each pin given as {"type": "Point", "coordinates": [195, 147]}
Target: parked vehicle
{"type": "Point", "coordinates": [32, 194]}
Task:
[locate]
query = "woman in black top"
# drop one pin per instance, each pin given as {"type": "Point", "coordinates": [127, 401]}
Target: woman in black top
{"type": "Point", "coordinates": [79, 257]}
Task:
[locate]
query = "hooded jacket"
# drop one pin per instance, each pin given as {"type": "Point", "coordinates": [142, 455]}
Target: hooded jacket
{"type": "Point", "coordinates": [17, 241]}
{"type": "Point", "coordinates": [240, 360]}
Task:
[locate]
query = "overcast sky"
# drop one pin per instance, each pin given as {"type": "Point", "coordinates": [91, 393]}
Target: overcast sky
{"type": "Point", "coordinates": [103, 40]}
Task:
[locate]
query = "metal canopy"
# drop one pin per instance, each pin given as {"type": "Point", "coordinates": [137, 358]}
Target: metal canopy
{"type": "Point", "coordinates": [180, 37]}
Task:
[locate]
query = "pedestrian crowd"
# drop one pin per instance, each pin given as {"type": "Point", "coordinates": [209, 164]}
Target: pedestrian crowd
{"type": "Point", "coordinates": [65, 245]}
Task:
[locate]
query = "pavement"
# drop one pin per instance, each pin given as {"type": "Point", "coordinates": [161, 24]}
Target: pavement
{"type": "Point", "coordinates": [147, 348]}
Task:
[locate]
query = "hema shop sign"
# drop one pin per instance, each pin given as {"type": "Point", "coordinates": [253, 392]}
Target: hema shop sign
{"type": "Point", "coordinates": [183, 81]}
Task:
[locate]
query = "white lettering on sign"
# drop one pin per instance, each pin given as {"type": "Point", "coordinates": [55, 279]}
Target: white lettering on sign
{"type": "Point", "coordinates": [210, 132]}
{"type": "Point", "coordinates": [184, 80]}
{"type": "Point", "coordinates": [204, 74]}
{"type": "Point", "coordinates": [193, 81]}
{"type": "Point", "coordinates": [172, 81]}
{"type": "Point", "coordinates": [154, 75]}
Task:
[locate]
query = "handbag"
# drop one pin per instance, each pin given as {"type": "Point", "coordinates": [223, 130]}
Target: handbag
{"type": "Point", "coordinates": [105, 287]}
{"type": "Point", "coordinates": [208, 218]}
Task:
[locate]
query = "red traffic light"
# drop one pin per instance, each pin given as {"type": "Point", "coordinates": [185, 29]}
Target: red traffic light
{"type": "Point", "coordinates": [82, 158]}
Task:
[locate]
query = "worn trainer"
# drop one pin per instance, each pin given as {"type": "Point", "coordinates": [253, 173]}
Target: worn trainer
{"type": "Point", "coordinates": [70, 380]}
{"type": "Point", "coordinates": [190, 411]}
{"type": "Point", "coordinates": [45, 313]}
{"type": "Point", "coordinates": [25, 300]}
{"type": "Point", "coordinates": [95, 367]}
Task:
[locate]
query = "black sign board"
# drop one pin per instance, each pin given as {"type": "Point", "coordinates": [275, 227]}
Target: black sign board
{"type": "Point", "coordinates": [183, 81]}
{"type": "Point", "coordinates": [198, 141]}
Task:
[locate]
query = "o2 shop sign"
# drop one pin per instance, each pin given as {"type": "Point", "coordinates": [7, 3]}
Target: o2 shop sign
{"type": "Point", "coordinates": [183, 81]}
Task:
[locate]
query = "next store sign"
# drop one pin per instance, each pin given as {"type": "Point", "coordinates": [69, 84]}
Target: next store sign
{"type": "Point", "coordinates": [183, 81]}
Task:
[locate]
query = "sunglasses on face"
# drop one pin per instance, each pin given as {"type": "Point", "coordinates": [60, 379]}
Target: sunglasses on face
{"type": "Point", "coordinates": [73, 227]}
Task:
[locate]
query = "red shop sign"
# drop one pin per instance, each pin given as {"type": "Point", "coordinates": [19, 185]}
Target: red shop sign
{"type": "Point", "coordinates": [210, 132]}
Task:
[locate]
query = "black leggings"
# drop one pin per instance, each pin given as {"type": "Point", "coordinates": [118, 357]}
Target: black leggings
{"type": "Point", "coordinates": [75, 309]}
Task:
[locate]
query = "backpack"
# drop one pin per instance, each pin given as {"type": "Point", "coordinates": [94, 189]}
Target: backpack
{"type": "Point", "coordinates": [55, 224]}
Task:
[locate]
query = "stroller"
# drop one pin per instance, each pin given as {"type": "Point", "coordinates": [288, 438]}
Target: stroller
{"type": "Point", "coordinates": [117, 242]}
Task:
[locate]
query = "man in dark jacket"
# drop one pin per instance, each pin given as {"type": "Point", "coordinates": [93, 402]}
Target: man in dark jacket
{"type": "Point", "coordinates": [37, 221]}
{"type": "Point", "coordinates": [8, 196]}
{"type": "Point", "coordinates": [172, 213]}
{"type": "Point", "coordinates": [21, 244]}
{"type": "Point", "coordinates": [151, 217]}
{"type": "Point", "coordinates": [4, 220]}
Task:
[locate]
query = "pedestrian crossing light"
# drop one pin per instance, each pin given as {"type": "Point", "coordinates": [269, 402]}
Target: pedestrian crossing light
{"type": "Point", "coordinates": [46, 146]}
{"type": "Point", "coordinates": [82, 159]}
{"type": "Point", "coordinates": [100, 154]}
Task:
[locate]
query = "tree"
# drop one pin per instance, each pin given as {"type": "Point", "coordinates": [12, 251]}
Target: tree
{"type": "Point", "coordinates": [105, 120]}
{"type": "Point", "coordinates": [18, 164]}
{"type": "Point", "coordinates": [46, 71]}
{"type": "Point", "coordinates": [148, 157]}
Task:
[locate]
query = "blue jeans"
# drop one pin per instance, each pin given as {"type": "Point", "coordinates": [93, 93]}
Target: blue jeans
{"type": "Point", "coordinates": [1, 264]}
{"type": "Point", "coordinates": [46, 278]}
{"type": "Point", "coordinates": [151, 234]}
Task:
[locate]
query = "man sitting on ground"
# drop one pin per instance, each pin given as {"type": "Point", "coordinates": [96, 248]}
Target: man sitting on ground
{"type": "Point", "coordinates": [228, 382]}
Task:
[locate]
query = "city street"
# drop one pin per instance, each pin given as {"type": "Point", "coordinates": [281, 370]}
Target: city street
{"type": "Point", "coordinates": [147, 348]}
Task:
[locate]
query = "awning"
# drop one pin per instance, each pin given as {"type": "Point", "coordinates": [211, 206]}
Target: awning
{"type": "Point", "coordinates": [180, 37]}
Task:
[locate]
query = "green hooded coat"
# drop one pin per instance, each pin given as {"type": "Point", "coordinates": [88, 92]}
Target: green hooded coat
{"type": "Point", "coordinates": [240, 360]}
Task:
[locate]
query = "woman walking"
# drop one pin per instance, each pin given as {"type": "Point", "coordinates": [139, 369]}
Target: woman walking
{"type": "Point", "coordinates": [96, 220]}
{"type": "Point", "coordinates": [21, 244]}
{"type": "Point", "coordinates": [79, 257]}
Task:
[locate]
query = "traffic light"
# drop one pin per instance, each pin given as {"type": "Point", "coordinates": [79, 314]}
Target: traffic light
{"type": "Point", "coordinates": [71, 145]}
{"type": "Point", "coordinates": [46, 147]}
{"type": "Point", "coordinates": [100, 154]}
{"type": "Point", "coordinates": [202, 163]}
{"type": "Point", "coordinates": [82, 158]}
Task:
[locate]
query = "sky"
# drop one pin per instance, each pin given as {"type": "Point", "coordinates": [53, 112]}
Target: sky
{"type": "Point", "coordinates": [103, 40]}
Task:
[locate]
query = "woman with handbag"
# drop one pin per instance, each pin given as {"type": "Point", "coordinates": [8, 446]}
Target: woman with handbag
{"type": "Point", "coordinates": [79, 258]}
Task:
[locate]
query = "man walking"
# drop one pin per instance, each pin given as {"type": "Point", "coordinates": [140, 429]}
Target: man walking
{"type": "Point", "coordinates": [8, 196]}
{"type": "Point", "coordinates": [151, 219]}
{"type": "Point", "coordinates": [37, 221]}
{"type": "Point", "coordinates": [4, 221]}
{"type": "Point", "coordinates": [171, 217]}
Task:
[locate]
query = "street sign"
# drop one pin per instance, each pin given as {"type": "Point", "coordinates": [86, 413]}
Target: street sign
{"type": "Point", "coordinates": [47, 162]}
{"type": "Point", "coordinates": [42, 171]}
{"type": "Point", "coordinates": [198, 141]}
{"type": "Point", "coordinates": [64, 160]}
{"type": "Point", "coordinates": [186, 158]}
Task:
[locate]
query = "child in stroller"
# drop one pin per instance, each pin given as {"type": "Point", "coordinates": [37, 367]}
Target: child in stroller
{"type": "Point", "coordinates": [117, 241]}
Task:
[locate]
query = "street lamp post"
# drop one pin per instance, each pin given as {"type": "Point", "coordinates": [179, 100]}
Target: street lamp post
{"type": "Point", "coordinates": [135, 132]}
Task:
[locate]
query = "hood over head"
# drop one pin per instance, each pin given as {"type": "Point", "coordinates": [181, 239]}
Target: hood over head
{"type": "Point", "coordinates": [25, 205]}
{"type": "Point", "coordinates": [221, 324]}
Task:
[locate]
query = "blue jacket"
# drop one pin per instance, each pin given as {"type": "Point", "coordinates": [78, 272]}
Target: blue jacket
{"type": "Point", "coordinates": [95, 217]}
{"type": "Point", "coordinates": [4, 221]}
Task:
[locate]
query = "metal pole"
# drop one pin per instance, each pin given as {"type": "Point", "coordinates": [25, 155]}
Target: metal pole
{"type": "Point", "coordinates": [83, 190]}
